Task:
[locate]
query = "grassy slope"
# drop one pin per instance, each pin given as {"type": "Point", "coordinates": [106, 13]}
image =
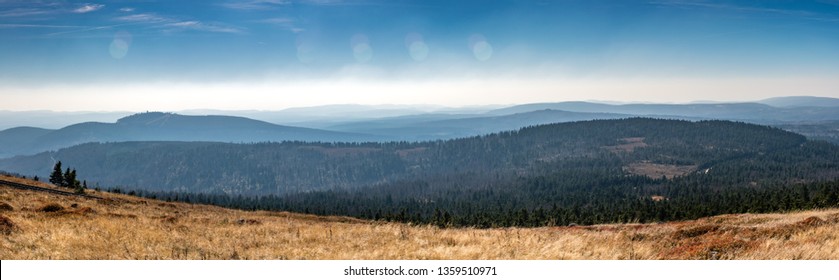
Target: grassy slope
{"type": "Point", "coordinates": [124, 227]}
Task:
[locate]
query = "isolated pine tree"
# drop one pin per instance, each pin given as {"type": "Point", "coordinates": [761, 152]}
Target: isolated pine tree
{"type": "Point", "coordinates": [67, 182]}
{"type": "Point", "coordinates": [73, 182]}
{"type": "Point", "coordinates": [79, 188]}
{"type": "Point", "coordinates": [56, 178]}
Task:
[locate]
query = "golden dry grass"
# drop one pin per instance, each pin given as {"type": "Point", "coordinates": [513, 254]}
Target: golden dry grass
{"type": "Point", "coordinates": [124, 227]}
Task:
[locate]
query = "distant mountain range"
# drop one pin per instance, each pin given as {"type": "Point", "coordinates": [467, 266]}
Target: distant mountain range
{"type": "Point", "coordinates": [54, 120]}
{"type": "Point", "coordinates": [801, 101]}
{"type": "Point", "coordinates": [754, 112]}
{"type": "Point", "coordinates": [163, 127]}
{"type": "Point", "coordinates": [815, 117]}
{"type": "Point", "coordinates": [436, 126]}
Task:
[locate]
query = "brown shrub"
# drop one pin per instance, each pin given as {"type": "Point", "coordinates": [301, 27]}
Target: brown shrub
{"type": "Point", "coordinates": [711, 245]}
{"type": "Point", "coordinates": [788, 231]}
{"type": "Point", "coordinates": [248, 222]}
{"type": "Point", "coordinates": [638, 237]}
{"type": "Point", "coordinates": [694, 231]}
{"type": "Point", "coordinates": [833, 219]}
{"type": "Point", "coordinates": [51, 207]}
{"type": "Point", "coordinates": [812, 222]}
{"type": "Point", "coordinates": [118, 215]}
{"type": "Point", "coordinates": [6, 207]}
{"type": "Point", "coordinates": [85, 210]}
{"type": "Point", "coordinates": [6, 225]}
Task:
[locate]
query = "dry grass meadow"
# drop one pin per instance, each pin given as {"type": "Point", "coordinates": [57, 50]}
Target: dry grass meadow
{"type": "Point", "coordinates": [37, 225]}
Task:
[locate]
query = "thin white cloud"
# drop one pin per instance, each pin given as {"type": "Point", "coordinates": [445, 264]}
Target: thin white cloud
{"type": "Point", "coordinates": [281, 20]}
{"type": "Point", "coordinates": [201, 26]}
{"type": "Point", "coordinates": [13, 25]}
{"type": "Point", "coordinates": [126, 10]}
{"type": "Point", "coordinates": [185, 24]}
{"type": "Point", "coordinates": [172, 25]}
{"type": "Point", "coordinates": [323, 2]}
{"type": "Point", "coordinates": [24, 12]}
{"type": "Point", "coordinates": [84, 30]}
{"type": "Point", "coordinates": [88, 8]}
{"type": "Point", "coordinates": [255, 4]}
{"type": "Point", "coordinates": [388, 3]}
{"type": "Point", "coordinates": [41, 10]}
{"type": "Point", "coordinates": [804, 14]}
{"type": "Point", "coordinates": [284, 23]}
{"type": "Point", "coordinates": [146, 17]}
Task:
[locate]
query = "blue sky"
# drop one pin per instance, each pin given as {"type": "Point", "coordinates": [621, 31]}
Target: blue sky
{"type": "Point", "coordinates": [272, 54]}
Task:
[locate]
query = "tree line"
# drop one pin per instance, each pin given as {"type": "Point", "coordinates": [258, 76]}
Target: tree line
{"type": "Point", "coordinates": [67, 179]}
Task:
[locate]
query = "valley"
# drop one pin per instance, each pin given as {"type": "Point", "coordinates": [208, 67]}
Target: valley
{"type": "Point", "coordinates": [588, 184]}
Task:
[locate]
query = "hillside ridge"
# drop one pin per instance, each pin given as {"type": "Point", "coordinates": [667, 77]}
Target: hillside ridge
{"type": "Point", "coordinates": [126, 227]}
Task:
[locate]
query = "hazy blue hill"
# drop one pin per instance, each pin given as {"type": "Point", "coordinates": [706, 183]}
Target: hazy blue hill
{"type": "Point", "coordinates": [22, 133]}
{"type": "Point", "coordinates": [801, 101]}
{"type": "Point", "coordinates": [322, 116]}
{"type": "Point", "coordinates": [164, 127]}
{"type": "Point", "coordinates": [643, 109]}
{"type": "Point", "coordinates": [754, 112]}
{"type": "Point", "coordinates": [355, 123]}
{"type": "Point", "coordinates": [53, 120]}
{"type": "Point", "coordinates": [441, 126]}
{"type": "Point", "coordinates": [18, 138]}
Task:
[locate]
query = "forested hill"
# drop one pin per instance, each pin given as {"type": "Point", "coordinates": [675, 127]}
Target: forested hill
{"type": "Point", "coordinates": [639, 145]}
{"type": "Point", "coordinates": [584, 172]}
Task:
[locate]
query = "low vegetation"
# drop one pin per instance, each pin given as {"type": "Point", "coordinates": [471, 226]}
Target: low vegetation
{"type": "Point", "coordinates": [126, 227]}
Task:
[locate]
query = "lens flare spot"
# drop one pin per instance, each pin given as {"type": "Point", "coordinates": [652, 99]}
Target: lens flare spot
{"type": "Point", "coordinates": [361, 49]}
{"type": "Point", "coordinates": [480, 47]}
{"type": "Point", "coordinates": [120, 44]}
{"type": "Point", "coordinates": [362, 52]}
{"type": "Point", "coordinates": [419, 51]}
{"type": "Point", "coordinates": [118, 48]}
{"type": "Point", "coordinates": [416, 46]}
{"type": "Point", "coordinates": [483, 51]}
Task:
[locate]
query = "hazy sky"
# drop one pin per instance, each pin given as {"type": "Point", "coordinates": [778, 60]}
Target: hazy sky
{"type": "Point", "coordinates": [272, 54]}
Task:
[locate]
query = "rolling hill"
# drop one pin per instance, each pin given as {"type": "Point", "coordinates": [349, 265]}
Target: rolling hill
{"type": "Point", "coordinates": [585, 172]}
{"type": "Point", "coordinates": [358, 123]}
{"type": "Point", "coordinates": [265, 168]}
{"type": "Point", "coordinates": [752, 112]}
{"type": "Point", "coordinates": [163, 127]}
{"type": "Point", "coordinates": [801, 101]}
{"type": "Point", "coordinates": [53, 119]}
{"type": "Point", "coordinates": [442, 126]}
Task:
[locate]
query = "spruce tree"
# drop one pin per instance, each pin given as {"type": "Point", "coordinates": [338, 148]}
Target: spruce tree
{"type": "Point", "coordinates": [68, 179]}
{"type": "Point", "coordinates": [79, 188]}
{"type": "Point", "coordinates": [72, 182]}
{"type": "Point", "coordinates": [56, 178]}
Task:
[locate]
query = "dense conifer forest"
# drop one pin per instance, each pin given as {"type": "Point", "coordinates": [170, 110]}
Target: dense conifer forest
{"type": "Point", "coordinates": [630, 170]}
